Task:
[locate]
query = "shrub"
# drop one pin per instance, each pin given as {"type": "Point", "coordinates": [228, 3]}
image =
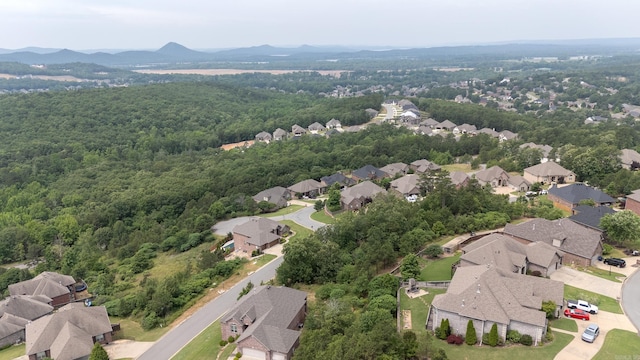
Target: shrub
{"type": "Point", "coordinates": [548, 337]}
{"type": "Point", "coordinates": [223, 343]}
{"type": "Point", "coordinates": [471, 338]}
{"type": "Point", "coordinates": [606, 249]}
{"type": "Point", "coordinates": [238, 355]}
{"type": "Point", "coordinates": [433, 251]}
{"type": "Point", "coordinates": [513, 336]}
{"type": "Point", "coordinates": [455, 339]}
{"type": "Point", "coordinates": [444, 330]}
{"type": "Point", "coordinates": [439, 355]}
{"type": "Point", "coordinates": [150, 321]}
{"type": "Point", "coordinates": [493, 335]}
{"type": "Point", "coordinates": [231, 339]}
{"type": "Point", "coordinates": [526, 340]}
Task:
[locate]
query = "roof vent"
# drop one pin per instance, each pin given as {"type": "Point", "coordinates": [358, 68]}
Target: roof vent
{"type": "Point", "coordinates": [478, 291]}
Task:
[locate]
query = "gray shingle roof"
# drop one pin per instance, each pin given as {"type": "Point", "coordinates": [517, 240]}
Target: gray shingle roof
{"type": "Point", "coordinates": [487, 293]}
{"type": "Point", "coordinates": [369, 172]}
{"type": "Point", "coordinates": [518, 180]}
{"type": "Point", "coordinates": [259, 230]}
{"type": "Point", "coordinates": [548, 168]}
{"type": "Point", "coordinates": [337, 178]}
{"type": "Point", "coordinates": [47, 283]}
{"type": "Point", "coordinates": [590, 216]}
{"type": "Point", "coordinates": [395, 168]}
{"type": "Point", "coordinates": [306, 186]}
{"type": "Point", "coordinates": [424, 165]}
{"type": "Point", "coordinates": [573, 238]}
{"type": "Point", "coordinates": [48, 332]}
{"type": "Point", "coordinates": [575, 192]}
{"type": "Point", "coordinates": [408, 184]}
{"type": "Point", "coordinates": [364, 190]}
{"type": "Point", "coordinates": [10, 324]}
{"type": "Point", "coordinates": [458, 177]}
{"type": "Point", "coordinates": [273, 309]}
{"type": "Point", "coordinates": [275, 195]}
{"type": "Point", "coordinates": [447, 124]}
{"type": "Point", "coordinates": [24, 306]}
{"type": "Point", "coordinates": [494, 172]}
{"type": "Point", "coordinates": [628, 156]}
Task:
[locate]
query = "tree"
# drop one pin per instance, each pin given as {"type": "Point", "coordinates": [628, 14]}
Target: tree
{"type": "Point", "coordinates": [98, 353]}
{"type": "Point", "coordinates": [622, 227]}
{"type": "Point", "coordinates": [493, 335]}
{"type": "Point", "coordinates": [471, 338]}
{"type": "Point", "coordinates": [410, 267]}
{"type": "Point", "coordinates": [433, 250]}
{"type": "Point", "coordinates": [549, 307]}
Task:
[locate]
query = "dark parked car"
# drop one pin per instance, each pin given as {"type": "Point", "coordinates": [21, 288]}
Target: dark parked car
{"type": "Point", "coordinates": [615, 262]}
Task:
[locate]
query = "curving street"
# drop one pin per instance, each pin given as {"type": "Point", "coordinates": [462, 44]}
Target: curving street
{"type": "Point", "coordinates": [631, 295]}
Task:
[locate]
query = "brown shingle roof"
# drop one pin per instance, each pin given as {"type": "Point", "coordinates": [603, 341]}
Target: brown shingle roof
{"type": "Point", "coordinates": [548, 168]}
{"type": "Point", "coordinates": [260, 231]}
{"type": "Point", "coordinates": [47, 283]}
{"type": "Point", "coordinates": [24, 306]}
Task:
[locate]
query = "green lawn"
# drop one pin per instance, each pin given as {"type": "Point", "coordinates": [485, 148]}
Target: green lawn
{"type": "Point", "coordinates": [284, 211]}
{"type": "Point", "coordinates": [132, 330]}
{"type": "Point", "coordinates": [301, 231]}
{"type": "Point", "coordinates": [12, 352]}
{"type": "Point", "coordinates": [619, 344]}
{"type": "Point", "coordinates": [263, 259]}
{"type": "Point", "coordinates": [440, 269]}
{"type": "Point", "coordinates": [604, 303]}
{"type": "Point", "coordinates": [457, 167]}
{"type": "Point", "coordinates": [613, 276]}
{"type": "Point", "coordinates": [564, 324]}
{"type": "Point", "coordinates": [322, 217]}
{"type": "Point", "coordinates": [545, 352]}
{"type": "Point", "coordinates": [228, 350]}
{"type": "Point", "coordinates": [419, 308]}
{"type": "Point", "coordinates": [205, 346]}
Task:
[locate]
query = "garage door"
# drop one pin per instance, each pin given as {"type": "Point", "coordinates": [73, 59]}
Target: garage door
{"type": "Point", "coordinates": [276, 356]}
{"type": "Point", "coordinates": [253, 354]}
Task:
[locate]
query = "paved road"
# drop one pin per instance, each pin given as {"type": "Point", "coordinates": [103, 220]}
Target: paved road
{"type": "Point", "coordinates": [182, 334]}
{"type": "Point", "coordinates": [631, 298]}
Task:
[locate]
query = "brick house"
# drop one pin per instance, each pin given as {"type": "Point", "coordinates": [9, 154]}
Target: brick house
{"type": "Point", "coordinates": [568, 197]}
{"type": "Point", "coordinates": [547, 173]}
{"type": "Point", "coordinates": [633, 202]}
{"type": "Point", "coordinates": [59, 288]}
{"type": "Point", "coordinates": [258, 234]}
{"type": "Point", "coordinates": [267, 322]}
{"type": "Point", "coordinates": [68, 333]}
{"type": "Point", "coordinates": [581, 245]}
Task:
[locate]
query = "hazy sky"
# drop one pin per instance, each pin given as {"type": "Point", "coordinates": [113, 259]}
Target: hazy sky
{"type": "Point", "coordinates": [209, 24]}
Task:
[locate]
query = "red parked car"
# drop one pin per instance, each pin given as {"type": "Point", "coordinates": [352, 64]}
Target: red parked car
{"type": "Point", "coordinates": [576, 314]}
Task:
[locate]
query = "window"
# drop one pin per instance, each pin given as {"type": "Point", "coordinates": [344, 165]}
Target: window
{"type": "Point", "coordinates": [99, 337]}
{"type": "Point", "coordinates": [234, 328]}
{"type": "Point", "coordinates": [41, 355]}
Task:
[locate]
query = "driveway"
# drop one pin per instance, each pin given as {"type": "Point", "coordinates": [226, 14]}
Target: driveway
{"type": "Point", "coordinates": [303, 218]}
{"type": "Point", "coordinates": [582, 280]}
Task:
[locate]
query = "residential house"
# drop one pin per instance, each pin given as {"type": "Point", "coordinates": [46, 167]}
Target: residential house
{"type": "Point", "coordinates": [334, 124]}
{"type": "Point", "coordinates": [278, 196]}
{"type": "Point", "coordinates": [59, 288]}
{"type": "Point", "coordinates": [488, 295]}
{"type": "Point", "coordinates": [337, 178]}
{"type": "Point", "coordinates": [519, 183]}
{"type": "Point", "coordinates": [506, 135]}
{"type": "Point", "coordinates": [432, 123]}
{"type": "Point", "coordinates": [368, 172]}
{"type": "Point", "coordinates": [465, 129]}
{"type": "Point", "coordinates": [629, 159]}
{"type": "Point", "coordinates": [632, 202]}
{"type": "Point", "coordinates": [446, 125]}
{"type": "Point", "coordinates": [590, 216]}
{"type": "Point", "coordinates": [490, 132]}
{"type": "Point", "coordinates": [395, 169]}
{"type": "Point", "coordinates": [258, 233]}
{"type": "Point", "coordinates": [264, 137]}
{"type": "Point", "coordinates": [549, 172]}
{"type": "Point", "coordinates": [568, 197]}
{"type": "Point", "coordinates": [459, 179]}
{"type": "Point", "coordinates": [309, 188]}
{"type": "Point", "coordinates": [359, 195]}
{"type": "Point", "coordinates": [316, 128]}
{"type": "Point", "coordinates": [25, 306]}
{"type": "Point", "coordinates": [508, 254]}
{"type": "Point", "coordinates": [12, 330]}
{"type": "Point", "coordinates": [495, 176]}
{"type": "Point", "coordinates": [424, 130]}
{"type": "Point", "coordinates": [298, 130]}
{"type": "Point", "coordinates": [544, 149]}
{"type": "Point", "coordinates": [423, 166]}
{"type": "Point", "coordinates": [280, 134]}
{"type": "Point", "coordinates": [581, 246]}
{"type": "Point", "coordinates": [407, 186]}
{"type": "Point", "coordinates": [268, 321]}
{"type": "Point", "coordinates": [68, 333]}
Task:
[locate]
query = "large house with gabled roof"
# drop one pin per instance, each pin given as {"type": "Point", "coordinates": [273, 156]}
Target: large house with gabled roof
{"type": "Point", "coordinates": [570, 196]}
{"type": "Point", "coordinates": [549, 172]}
{"type": "Point", "coordinates": [267, 322]}
{"type": "Point", "coordinates": [258, 233]}
{"type": "Point", "coordinates": [59, 288]}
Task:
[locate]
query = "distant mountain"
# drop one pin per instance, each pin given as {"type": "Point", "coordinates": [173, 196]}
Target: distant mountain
{"type": "Point", "coordinates": [173, 53]}
{"type": "Point", "coordinates": [36, 50]}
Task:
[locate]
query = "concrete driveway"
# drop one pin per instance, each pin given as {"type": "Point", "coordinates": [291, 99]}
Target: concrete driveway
{"type": "Point", "coordinates": [582, 280]}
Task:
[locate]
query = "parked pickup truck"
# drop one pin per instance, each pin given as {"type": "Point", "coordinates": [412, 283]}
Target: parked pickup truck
{"type": "Point", "coordinates": [582, 305]}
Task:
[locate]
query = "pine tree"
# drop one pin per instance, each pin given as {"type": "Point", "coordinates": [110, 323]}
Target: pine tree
{"type": "Point", "coordinates": [471, 338]}
{"type": "Point", "coordinates": [98, 353]}
{"type": "Point", "coordinates": [493, 335]}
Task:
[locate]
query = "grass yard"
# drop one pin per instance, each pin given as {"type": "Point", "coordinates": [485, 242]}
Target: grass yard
{"type": "Point", "coordinates": [263, 260]}
{"type": "Point", "coordinates": [322, 217]}
{"type": "Point", "coordinates": [546, 352]}
{"type": "Point", "coordinates": [227, 351]}
{"type": "Point", "coordinates": [614, 276]}
{"type": "Point", "coordinates": [284, 211]}
{"type": "Point", "coordinates": [12, 352]}
{"type": "Point", "coordinates": [301, 231]}
{"type": "Point", "coordinates": [205, 346]}
{"type": "Point", "coordinates": [132, 330]}
{"type": "Point", "coordinates": [604, 303]}
{"type": "Point", "coordinates": [457, 167]}
{"type": "Point", "coordinates": [619, 344]}
{"type": "Point", "coordinates": [564, 324]}
{"type": "Point", "coordinates": [419, 308]}
{"type": "Point", "coordinates": [438, 270]}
